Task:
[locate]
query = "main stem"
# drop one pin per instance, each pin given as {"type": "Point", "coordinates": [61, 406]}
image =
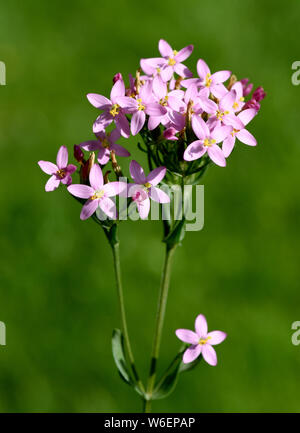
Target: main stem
{"type": "Point", "coordinates": [116, 255]}
{"type": "Point", "coordinates": [161, 310]}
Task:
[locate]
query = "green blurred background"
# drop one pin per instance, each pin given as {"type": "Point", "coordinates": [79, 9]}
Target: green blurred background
{"type": "Point", "coordinates": [57, 294]}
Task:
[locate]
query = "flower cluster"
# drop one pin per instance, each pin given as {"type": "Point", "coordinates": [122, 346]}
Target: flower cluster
{"type": "Point", "coordinates": [185, 121]}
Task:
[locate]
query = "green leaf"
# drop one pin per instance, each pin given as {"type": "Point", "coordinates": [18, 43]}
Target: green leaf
{"type": "Point", "coordinates": [119, 356]}
{"type": "Point", "coordinates": [169, 379]}
{"type": "Point", "coordinates": [176, 233]}
{"type": "Point", "coordinates": [190, 366]}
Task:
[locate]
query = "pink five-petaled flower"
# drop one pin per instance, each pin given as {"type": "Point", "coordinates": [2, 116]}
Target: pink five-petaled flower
{"type": "Point", "coordinates": [145, 187]}
{"type": "Point", "coordinates": [97, 194]}
{"type": "Point", "coordinates": [242, 134]}
{"type": "Point", "coordinates": [60, 172]}
{"type": "Point", "coordinates": [212, 82]}
{"type": "Point", "coordinates": [207, 142]}
{"type": "Point", "coordinates": [142, 105]}
{"type": "Point", "coordinates": [105, 144]}
{"type": "Point", "coordinates": [201, 342]}
{"type": "Point", "coordinates": [112, 111]}
{"type": "Point", "coordinates": [169, 63]}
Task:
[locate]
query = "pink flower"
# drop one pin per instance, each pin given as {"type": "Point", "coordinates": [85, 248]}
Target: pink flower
{"type": "Point", "coordinates": [105, 144]}
{"type": "Point", "coordinates": [112, 111]}
{"type": "Point", "coordinates": [61, 172]}
{"type": "Point", "coordinates": [143, 104]}
{"type": "Point", "coordinates": [169, 63]}
{"type": "Point", "coordinates": [207, 142]}
{"type": "Point", "coordinates": [145, 187]}
{"type": "Point", "coordinates": [97, 194]}
{"type": "Point", "coordinates": [169, 134]}
{"type": "Point", "coordinates": [201, 342]}
{"type": "Point", "coordinates": [242, 134]}
{"type": "Point", "coordinates": [212, 82]}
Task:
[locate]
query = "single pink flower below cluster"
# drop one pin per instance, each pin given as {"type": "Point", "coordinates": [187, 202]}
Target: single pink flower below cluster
{"type": "Point", "coordinates": [60, 172]}
{"type": "Point", "coordinates": [201, 342]}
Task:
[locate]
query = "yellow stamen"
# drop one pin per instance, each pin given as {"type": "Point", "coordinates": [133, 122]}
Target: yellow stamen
{"type": "Point", "coordinates": [235, 105]}
{"type": "Point", "coordinates": [242, 99]}
{"type": "Point", "coordinates": [208, 142]}
{"type": "Point", "coordinates": [61, 173]}
{"type": "Point", "coordinates": [115, 110]}
{"type": "Point", "coordinates": [105, 143]}
{"type": "Point", "coordinates": [204, 341]}
{"type": "Point", "coordinates": [234, 132]}
{"type": "Point", "coordinates": [141, 107]}
{"type": "Point", "coordinates": [208, 80]}
{"type": "Point", "coordinates": [172, 61]}
{"type": "Point", "coordinates": [97, 195]}
{"type": "Point", "coordinates": [147, 185]}
{"type": "Point", "coordinates": [175, 52]}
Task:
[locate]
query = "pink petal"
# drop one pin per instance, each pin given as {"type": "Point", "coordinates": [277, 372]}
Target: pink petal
{"type": "Point", "coordinates": [103, 156]}
{"type": "Point", "coordinates": [155, 109]}
{"type": "Point", "coordinates": [48, 167]}
{"type": "Point", "coordinates": [114, 135]}
{"type": "Point", "coordinates": [216, 337]}
{"type": "Point", "coordinates": [147, 67]}
{"type": "Point", "coordinates": [209, 354]}
{"type": "Point", "coordinates": [144, 208]}
{"type": "Point", "coordinates": [194, 151]}
{"type": "Point", "coordinates": [81, 191]}
{"type": "Point", "coordinates": [158, 195]}
{"type": "Point", "coordinates": [199, 127]}
{"type": "Point", "coordinates": [102, 122]}
{"type": "Point", "coordinates": [71, 168]}
{"type": "Point", "coordinates": [191, 353]}
{"type": "Point", "coordinates": [90, 145]}
{"type": "Point", "coordinates": [108, 207]}
{"type": "Point", "coordinates": [99, 101]}
{"type": "Point", "coordinates": [164, 48]}
{"type": "Point", "coordinates": [96, 177]}
{"type": "Point", "coordinates": [201, 326]}
{"type": "Point", "coordinates": [156, 175]}
{"type": "Point", "coordinates": [216, 155]}
{"type": "Point", "coordinates": [207, 105]}
{"type": "Point", "coordinates": [220, 76]}
{"type": "Point", "coordinates": [220, 133]}
{"type": "Point", "coordinates": [153, 122]}
{"type": "Point", "coordinates": [122, 124]}
{"type": "Point", "coordinates": [166, 73]}
{"type": "Point", "coordinates": [233, 120]}
{"type": "Point", "coordinates": [176, 103]}
{"type": "Point", "coordinates": [118, 89]}
{"type": "Point", "coordinates": [137, 121]}
{"type": "Point", "coordinates": [159, 87]}
{"type": "Point", "coordinates": [137, 173]}
{"type": "Point", "coordinates": [120, 150]}
{"type": "Point", "coordinates": [202, 69]}
{"type": "Point", "coordinates": [247, 115]}
{"type": "Point", "coordinates": [88, 209]}
{"type": "Point", "coordinates": [245, 137]}
{"type": "Point", "coordinates": [184, 53]}
{"type": "Point", "coordinates": [182, 70]}
{"type": "Point", "coordinates": [228, 145]}
{"type": "Point", "coordinates": [114, 188]}
{"type": "Point", "coordinates": [191, 93]}
{"type": "Point", "coordinates": [130, 105]}
{"type": "Point", "coordinates": [52, 184]}
{"type": "Point", "coordinates": [227, 101]}
{"type": "Point", "coordinates": [62, 157]}
{"type": "Point", "coordinates": [238, 87]}
{"type": "Point", "coordinates": [218, 90]}
{"type": "Point", "coordinates": [187, 336]}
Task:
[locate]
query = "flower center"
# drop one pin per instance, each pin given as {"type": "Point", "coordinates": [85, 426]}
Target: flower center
{"type": "Point", "coordinates": [208, 142]}
{"type": "Point", "coordinates": [204, 340]}
{"type": "Point", "coordinates": [235, 105]}
{"type": "Point", "coordinates": [98, 194]}
{"type": "Point", "coordinates": [208, 80]}
{"type": "Point", "coordinates": [164, 101]}
{"type": "Point", "coordinates": [221, 114]}
{"type": "Point", "coordinates": [115, 109]}
{"type": "Point", "coordinates": [141, 106]}
{"type": "Point", "coordinates": [61, 173]}
{"type": "Point", "coordinates": [234, 132]}
{"type": "Point", "coordinates": [172, 61]}
{"type": "Point", "coordinates": [105, 143]}
{"type": "Point", "coordinates": [147, 185]}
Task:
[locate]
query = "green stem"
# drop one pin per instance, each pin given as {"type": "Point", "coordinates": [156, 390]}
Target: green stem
{"type": "Point", "coordinates": [162, 302]}
{"type": "Point", "coordinates": [116, 256]}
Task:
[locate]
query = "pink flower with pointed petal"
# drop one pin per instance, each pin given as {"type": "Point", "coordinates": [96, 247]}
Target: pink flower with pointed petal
{"type": "Point", "coordinates": [207, 142]}
{"type": "Point", "coordinates": [143, 104]}
{"type": "Point", "coordinates": [242, 134]}
{"type": "Point", "coordinates": [60, 172]}
{"type": "Point", "coordinates": [169, 63]}
{"type": "Point", "coordinates": [212, 82]}
{"type": "Point", "coordinates": [98, 194]}
{"type": "Point", "coordinates": [105, 144]}
{"type": "Point", "coordinates": [144, 187]}
{"type": "Point", "coordinates": [112, 111]}
{"type": "Point", "coordinates": [201, 342]}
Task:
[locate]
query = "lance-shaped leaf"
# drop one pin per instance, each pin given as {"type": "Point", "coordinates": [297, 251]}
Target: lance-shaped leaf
{"type": "Point", "coordinates": [119, 356]}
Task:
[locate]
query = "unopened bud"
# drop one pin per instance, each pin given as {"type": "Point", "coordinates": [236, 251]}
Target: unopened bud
{"type": "Point", "coordinates": [117, 77]}
{"type": "Point", "coordinates": [247, 87]}
{"type": "Point", "coordinates": [169, 134]}
{"type": "Point", "coordinates": [232, 81]}
{"type": "Point", "coordinates": [86, 168]}
{"type": "Point", "coordinates": [259, 94]}
{"type": "Point", "coordinates": [252, 103]}
{"type": "Point", "coordinates": [78, 154]}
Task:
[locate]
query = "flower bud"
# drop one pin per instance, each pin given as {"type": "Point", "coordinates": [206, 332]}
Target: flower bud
{"type": "Point", "coordinates": [78, 154]}
{"type": "Point", "coordinates": [117, 77]}
{"type": "Point", "coordinates": [247, 88]}
{"type": "Point", "coordinates": [169, 134]}
{"type": "Point", "coordinates": [259, 94]}
{"type": "Point", "coordinates": [252, 103]}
